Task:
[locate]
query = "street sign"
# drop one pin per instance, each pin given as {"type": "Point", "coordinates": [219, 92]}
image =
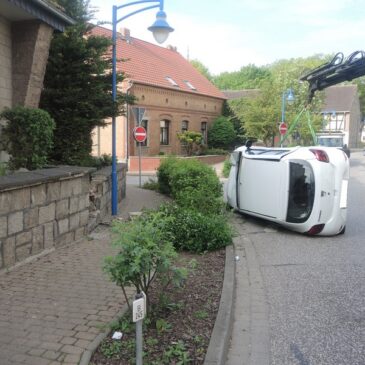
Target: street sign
{"type": "Point", "coordinates": [139, 134]}
{"type": "Point", "coordinates": [139, 311]}
{"type": "Point", "coordinates": [283, 128]}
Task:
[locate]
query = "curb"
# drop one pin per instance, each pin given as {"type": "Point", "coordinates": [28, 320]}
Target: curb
{"type": "Point", "coordinates": [220, 338]}
{"type": "Point", "coordinates": [87, 354]}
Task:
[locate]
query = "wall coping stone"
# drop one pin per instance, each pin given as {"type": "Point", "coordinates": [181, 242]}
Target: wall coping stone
{"type": "Point", "coordinates": [36, 177]}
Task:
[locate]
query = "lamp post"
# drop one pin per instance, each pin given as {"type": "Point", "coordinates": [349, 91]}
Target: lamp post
{"type": "Point", "coordinates": [160, 30]}
{"type": "Point", "coordinates": [288, 96]}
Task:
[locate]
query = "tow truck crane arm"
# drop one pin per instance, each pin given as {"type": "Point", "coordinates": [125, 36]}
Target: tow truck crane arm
{"type": "Point", "coordinates": [335, 72]}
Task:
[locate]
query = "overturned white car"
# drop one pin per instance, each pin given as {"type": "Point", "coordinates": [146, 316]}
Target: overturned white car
{"type": "Point", "coordinates": [303, 188]}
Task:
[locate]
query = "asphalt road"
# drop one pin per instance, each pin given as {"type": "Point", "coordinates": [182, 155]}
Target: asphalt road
{"type": "Point", "coordinates": [315, 287]}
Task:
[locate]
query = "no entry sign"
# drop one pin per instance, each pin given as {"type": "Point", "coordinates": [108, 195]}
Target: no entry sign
{"type": "Point", "coordinates": [283, 128]}
{"type": "Point", "coordinates": [139, 134]}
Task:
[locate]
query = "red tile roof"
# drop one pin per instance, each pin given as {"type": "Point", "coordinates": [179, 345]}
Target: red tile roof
{"type": "Point", "coordinates": [151, 64]}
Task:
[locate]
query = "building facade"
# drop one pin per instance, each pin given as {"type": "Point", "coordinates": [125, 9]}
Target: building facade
{"type": "Point", "coordinates": [174, 95]}
{"type": "Point", "coordinates": [26, 28]}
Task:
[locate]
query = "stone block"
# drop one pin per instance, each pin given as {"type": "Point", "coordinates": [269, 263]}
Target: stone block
{"type": "Point", "coordinates": [74, 204]}
{"type": "Point", "coordinates": [74, 221]}
{"type": "Point", "coordinates": [85, 184]}
{"type": "Point", "coordinates": [53, 191]}
{"type": "Point", "coordinates": [38, 240]}
{"type": "Point", "coordinates": [84, 218]}
{"type": "Point", "coordinates": [62, 209]}
{"type": "Point", "coordinates": [65, 239]}
{"type": "Point", "coordinates": [63, 226]}
{"type": "Point", "coordinates": [9, 252]}
{"type": "Point", "coordinates": [49, 235]}
{"type": "Point", "coordinates": [22, 238]}
{"type": "Point", "coordinates": [84, 202]}
{"type": "Point", "coordinates": [70, 188]}
{"type": "Point", "coordinates": [38, 195]}
{"type": "Point", "coordinates": [79, 233]}
{"type": "Point", "coordinates": [3, 227]}
{"type": "Point", "coordinates": [15, 223]}
{"type": "Point", "coordinates": [4, 203]}
{"type": "Point", "coordinates": [31, 217]}
{"type": "Point", "coordinates": [22, 252]}
{"type": "Point", "coordinates": [20, 199]}
{"type": "Point", "coordinates": [47, 213]}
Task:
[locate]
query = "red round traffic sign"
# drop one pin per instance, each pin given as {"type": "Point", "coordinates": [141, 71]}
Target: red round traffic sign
{"type": "Point", "coordinates": [283, 128]}
{"type": "Point", "coordinates": [139, 134]}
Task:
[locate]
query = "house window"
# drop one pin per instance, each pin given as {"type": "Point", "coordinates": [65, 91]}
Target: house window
{"type": "Point", "coordinates": [203, 130]}
{"type": "Point", "coordinates": [184, 126]}
{"type": "Point", "coordinates": [144, 124]}
{"type": "Point", "coordinates": [164, 132]}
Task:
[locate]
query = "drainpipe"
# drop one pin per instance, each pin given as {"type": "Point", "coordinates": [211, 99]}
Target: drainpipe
{"type": "Point", "coordinates": [130, 84]}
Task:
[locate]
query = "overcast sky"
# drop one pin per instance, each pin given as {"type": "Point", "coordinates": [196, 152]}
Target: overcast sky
{"type": "Point", "coordinates": [226, 35]}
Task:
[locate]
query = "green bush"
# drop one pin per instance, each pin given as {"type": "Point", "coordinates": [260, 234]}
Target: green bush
{"type": "Point", "coordinates": [213, 151]}
{"type": "Point", "coordinates": [145, 250]}
{"type": "Point", "coordinates": [27, 137]}
{"type": "Point", "coordinates": [175, 175]}
{"type": "Point", "coordinates": [196, 232]}
{"type": "Point", "coordinates": [221, 134]}
{"type": "Point", "coordinates": [97, 162]}
{"type": "Point", "coordinates": [226, 167]}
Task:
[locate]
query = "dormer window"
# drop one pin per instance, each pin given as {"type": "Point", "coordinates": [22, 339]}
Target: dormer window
{"type": "Point", "coordinates": [171, 81]}
{"type": "Point", "coordinates": [190, 85]}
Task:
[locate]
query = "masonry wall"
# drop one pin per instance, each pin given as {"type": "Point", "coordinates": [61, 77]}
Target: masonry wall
{"type": "Point", "coordinates": [5, 64]}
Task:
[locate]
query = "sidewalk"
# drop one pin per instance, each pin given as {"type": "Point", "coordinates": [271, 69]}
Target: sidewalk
{"type": "Point", "coordinates": [52, 309]}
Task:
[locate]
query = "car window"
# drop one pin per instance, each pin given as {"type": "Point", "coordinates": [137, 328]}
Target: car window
{"type": "Point", "coordinates": [301, 192]}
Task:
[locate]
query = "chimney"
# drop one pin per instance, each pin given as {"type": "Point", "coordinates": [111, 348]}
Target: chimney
{"type": "Point", "coordinates": [172, 48]}
{"type": "Point", "coordinates": [125, 34]}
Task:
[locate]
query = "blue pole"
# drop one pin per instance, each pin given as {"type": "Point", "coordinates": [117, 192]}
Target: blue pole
{"type": "Point", "coordinates": [114, 95]}
{"type": "Point", "coordinates": [282, 115]}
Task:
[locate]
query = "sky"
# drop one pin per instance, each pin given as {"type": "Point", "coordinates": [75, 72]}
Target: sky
{"type": "Point", "coordinates": [227, 35]}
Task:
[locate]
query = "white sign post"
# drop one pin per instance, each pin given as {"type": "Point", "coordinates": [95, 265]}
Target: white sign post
{"type": "Point", "coordinates": [139, 312]}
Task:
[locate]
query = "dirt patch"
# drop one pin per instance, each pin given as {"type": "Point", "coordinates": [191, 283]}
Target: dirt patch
{"type": "Point", "coordinates": [180, 330]}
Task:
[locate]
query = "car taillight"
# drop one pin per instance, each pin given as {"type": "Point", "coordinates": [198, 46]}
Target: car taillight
{"type": "Point", "coordinates": [320, 155]}
{"type": "Point", "coordinates": [318, 228]}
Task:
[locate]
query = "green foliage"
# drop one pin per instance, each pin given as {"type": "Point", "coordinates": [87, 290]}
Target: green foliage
{"type": "Point", "coordinates": [3, 168]}
{"type": "Point", "coordinates": [27, 136]}
{"type": "Point", "coordinates": [213, 151]}
{"type": "Point", "coordinates": [162, 326]}
{"type": "Point", "coordinates": [77, 86]}
{"type": "Point", "coordinates": [98, 162]}
{"type": "Point", "coordinates": [248, 77]}
{"type": "Point", "coordinates": [144, 252]}
{"type": "Point", "coordinates": [202, 69]}
{"type": "Point", "coordinates": [111, 349]}
{"type": "Point", "coordinates": [151, 184]}
{"type": "Point", "coordinates": [176, 354]}
{"type": "Point", "coordinates": [221, 134]}
{"type": "Point", "coordinates": [191, 140]}
{"type": "Point", "coordinates": [226, 167]}
{"type": "Point", "coordinates": [201, 314]}
{"type": "Point", "coordinates": [175, 175]}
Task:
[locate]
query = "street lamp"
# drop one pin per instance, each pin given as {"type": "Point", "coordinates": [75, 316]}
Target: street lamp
{"type": "Point", "coordinates": [160, 30]}
{"type": "Point", "coordinates": [288, 96]}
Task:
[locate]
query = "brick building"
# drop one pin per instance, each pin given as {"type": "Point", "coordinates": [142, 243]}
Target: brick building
{"type": "Point", "coordinates": [176, 97]}
{"type": "Point", "coordinates": [26, 28]}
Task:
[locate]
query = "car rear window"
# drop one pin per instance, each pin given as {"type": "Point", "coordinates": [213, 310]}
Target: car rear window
{"type": "Point", "coordinates": [301, 192]}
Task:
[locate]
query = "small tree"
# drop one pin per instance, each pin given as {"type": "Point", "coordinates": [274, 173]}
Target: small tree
{"type": "Point", "coordinates": [27, 137]}
{"type": "Point", "coordinates": [221, 134]}
{"type": "Point", "coordinates": [191, 140]}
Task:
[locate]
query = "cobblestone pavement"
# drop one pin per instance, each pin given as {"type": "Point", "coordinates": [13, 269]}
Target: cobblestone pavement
{"type": "Point", "coordinates": [52, 308]}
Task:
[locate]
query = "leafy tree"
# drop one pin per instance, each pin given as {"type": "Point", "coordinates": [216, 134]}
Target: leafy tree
{"type": "Point", "coordinates": [191, 140]}
{"type": "Point", "coordinates": [77, 85]}
{"type": "Point", "coordinates": [248, 77]}
{"type": "Point", "coordinates": [238, 125]}
{"type": "Point", "coordinates": [221, 134]}
{"type": "Point", "coordinates": [202, 69]}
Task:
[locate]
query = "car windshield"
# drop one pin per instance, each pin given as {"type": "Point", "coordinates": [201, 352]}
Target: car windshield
{"type": "Point", "coordinates": [301, 192]}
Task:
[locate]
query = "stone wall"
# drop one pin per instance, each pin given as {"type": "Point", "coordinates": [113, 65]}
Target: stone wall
{"type": "Point", "coordinates": [42, 210]}
{"type": "Point", "coordinates": [100, 193]}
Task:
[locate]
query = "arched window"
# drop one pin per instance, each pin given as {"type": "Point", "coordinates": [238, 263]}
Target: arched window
{"type": "Point", "coordinates": [164, 132]}
{"type": "Point", "coordinates": [184, 126]}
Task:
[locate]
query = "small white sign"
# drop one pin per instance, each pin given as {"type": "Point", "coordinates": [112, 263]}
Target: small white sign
{"type": "Point", "coordinates": [139, 311]}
